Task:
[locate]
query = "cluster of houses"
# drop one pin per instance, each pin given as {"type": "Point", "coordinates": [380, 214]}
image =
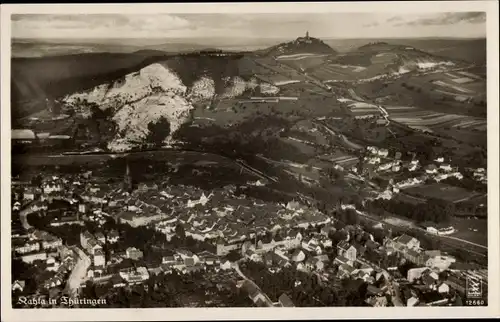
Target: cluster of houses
{"type": "Point", "coordinates": [59, 261]}
{"type": "Point", "coordinates": [93, 246]}
{"type": "Point", "coordinates": [36, 245]}
{"type": "Point", "coordinates": [62, 268]}
{"type": "Point", "coordinates": [182, 262]}
{"type": "Point", "coordinates": [442, 170]}
{"type": "Point", "coordinates": [351, 264]}
{"type": "Point", "coordinates": [437, 171]}
{"type": "Point", "coordinates": [276, 240]}
{"type": "Point", "coordinates": [480, 175]}
{"type": "Point", "coordinates": [376, 155]}
{"type": "Point", "coordinates": [437, 230]}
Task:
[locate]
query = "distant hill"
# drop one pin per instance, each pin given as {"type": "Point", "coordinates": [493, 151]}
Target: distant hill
{"type": "Point", "coordinates": [470, 50]}
{"type": "Point", "coordinates": [300, 45]}
{"type": "Point", "coordinates": [393, 56]}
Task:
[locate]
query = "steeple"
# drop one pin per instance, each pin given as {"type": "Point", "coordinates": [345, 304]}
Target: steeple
{"type": "Point", "coordinates": [127, 180]}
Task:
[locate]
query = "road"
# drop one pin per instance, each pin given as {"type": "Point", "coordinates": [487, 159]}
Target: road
{"type": "Point", "coordinates": [254, 171]}
{"type": "Point", "coordinates": [349, 143]}
{"type": "Point", "coordinates": [78, 273]}
{"type": "Point", "coordinates": [462, 241]}
{"type": "Point", "coordinates": [23, 215]}
{"type": "Point", "coordinates": [354, 95]}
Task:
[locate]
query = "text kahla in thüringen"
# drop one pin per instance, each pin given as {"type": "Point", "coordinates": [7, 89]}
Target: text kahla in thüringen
{"type": "Point", "coordinates": [63, 300]}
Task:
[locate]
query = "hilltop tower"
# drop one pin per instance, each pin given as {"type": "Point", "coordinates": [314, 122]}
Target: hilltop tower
{"type": "Point", "coordinates": [307, 34]}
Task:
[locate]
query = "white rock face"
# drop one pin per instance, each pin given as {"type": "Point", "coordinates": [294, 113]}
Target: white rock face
{"type": "Point", "coordinates": [202, 89]}
{"type": "Point", "coordinates": [430, 64]}
{"type": "Point", "coordinates": [268, 89]}
{"type": "Point", "coordinates": [147, 95]}
{"type": "Point", "coordinates": [133, 87]}
{"type": "Point", "coordinates": [133, 119]}
{"type": "Point", "coordinates": [236, 87]}
{"type": "Point", "coordinates": [137, 100]}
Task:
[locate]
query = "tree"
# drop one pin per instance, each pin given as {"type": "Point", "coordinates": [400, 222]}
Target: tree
{"type": "Point", "coordinates": [180, 231]}
{"type": "Point", "coordinates": [37, 180]}
{"type": "Point", "coordinates": [158, 131]}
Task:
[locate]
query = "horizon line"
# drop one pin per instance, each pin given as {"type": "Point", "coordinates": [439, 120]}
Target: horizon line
{"type": "Point", "coordinates": [249, 37]}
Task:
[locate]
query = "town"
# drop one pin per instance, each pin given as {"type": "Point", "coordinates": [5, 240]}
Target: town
{"type": "Point", "coordinates": [79, 235]}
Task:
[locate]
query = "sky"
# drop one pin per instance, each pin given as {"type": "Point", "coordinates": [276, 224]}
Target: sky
{"type": "Point", "coordinates": [287, 25]}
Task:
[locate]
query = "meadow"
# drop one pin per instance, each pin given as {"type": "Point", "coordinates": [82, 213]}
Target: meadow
{"type": "Point", "coordinates": [441, 191]}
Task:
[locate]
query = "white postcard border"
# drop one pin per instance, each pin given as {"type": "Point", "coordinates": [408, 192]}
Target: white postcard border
{"type": "Point", "coordinates": [491, 7]}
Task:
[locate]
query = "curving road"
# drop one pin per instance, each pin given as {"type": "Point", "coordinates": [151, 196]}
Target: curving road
{"type": "Point", "coordinates": [23, 216]}
{"type": "Point", "coordinates": [78, 273]}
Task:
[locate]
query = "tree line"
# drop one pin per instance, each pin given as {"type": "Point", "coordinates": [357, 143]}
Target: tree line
{"type": "Point", "coordinates": [434, 210]}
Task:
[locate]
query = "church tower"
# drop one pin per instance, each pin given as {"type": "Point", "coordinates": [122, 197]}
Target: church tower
{"type": "Point", "coordinates": [127, 180]}
{"type": "Point", "coordinates": [307, 34]}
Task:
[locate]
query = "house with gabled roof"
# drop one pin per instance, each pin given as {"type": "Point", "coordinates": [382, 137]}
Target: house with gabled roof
{"type": "Point", "coordinates": [18, 285]}
{"type": "Point", "coordinates": [225, 265]}
{"type": "Point", "coordinates": [347, 250]}
{"type": "Point", "coordinates": [24, 247]}
{"type": "Point", "coordinates": [298, 255]}
{"type": "Point", "coordinates": [29, 193]}
{"type": "Point", "coordinates": [169, 260]}
{"type": "Point", "coordinates": [345, 271]}
{"type": "Point", "coordinates": [340, 260]}
{"type": "Point", "coordinates": [408, 242]}
{"type": "Point", "coordinates": [313, 263]}
{"type": "Point", "coordinates": [223, 247]}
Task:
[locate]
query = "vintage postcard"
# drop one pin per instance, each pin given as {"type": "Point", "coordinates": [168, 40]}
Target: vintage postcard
{"type": "Point", "coordinates": [250, 161]}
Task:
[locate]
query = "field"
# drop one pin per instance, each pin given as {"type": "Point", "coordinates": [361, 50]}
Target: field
{"type": "Point", "coordinates": [231, 111]}
{"type": "Point", "coordinates": [336, 72]}
{"type": "Point", "coordinates": [302, 61]}
{"type": "Point", "coordinates": [441, 191]}
{"type": "Point", "coordinates": [448, 92]}
{"type": "Point", "coordinates": [361, 109]}
{"type": "Point", "coordinates": [473, 230]}
{"type": "Point", "coordinates": [341, 158]}
{"type": "Point", "coordinates": [402, 197]}
{"type": "Point", "coordinates": [459, 86]}
{"type": "Point", "coordinates": [431, 121]}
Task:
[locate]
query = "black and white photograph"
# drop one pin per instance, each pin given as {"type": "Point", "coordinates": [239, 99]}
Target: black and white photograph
{"type": "Point", "coordinates": [263, 159]}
